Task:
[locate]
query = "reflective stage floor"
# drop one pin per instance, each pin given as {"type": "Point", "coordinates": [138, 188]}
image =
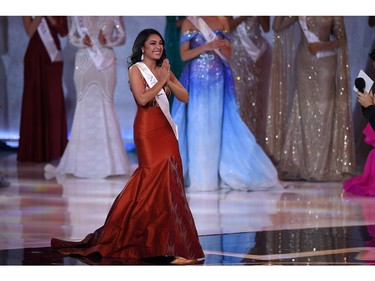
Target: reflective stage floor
{"type": "Point", "coordinates": [303, 224]}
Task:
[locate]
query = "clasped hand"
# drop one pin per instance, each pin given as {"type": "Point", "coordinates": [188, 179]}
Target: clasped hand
{"type": "Point", "coordinates": [217, 44]}
{"type": "Point", "coordinates": [163, 72]}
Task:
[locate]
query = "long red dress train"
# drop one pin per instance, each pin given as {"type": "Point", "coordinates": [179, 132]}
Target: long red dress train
{"type": "Point", "coordinates": [151, 216]}
{"type": "Point", "coordinates": [364, 184]}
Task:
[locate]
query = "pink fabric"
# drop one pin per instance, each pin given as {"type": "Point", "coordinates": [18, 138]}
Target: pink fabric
{"type": "Point", "coordinates": [364, 184]}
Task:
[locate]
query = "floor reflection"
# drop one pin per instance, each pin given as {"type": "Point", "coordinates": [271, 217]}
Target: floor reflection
{"type": "Point", "coordinates": [305, 223]}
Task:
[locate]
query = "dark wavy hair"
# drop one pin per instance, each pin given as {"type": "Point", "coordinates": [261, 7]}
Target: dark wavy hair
{"type": "Point", "coordinates": [140, 42]}
{"type": "Point", "coordinates": [372, 55]}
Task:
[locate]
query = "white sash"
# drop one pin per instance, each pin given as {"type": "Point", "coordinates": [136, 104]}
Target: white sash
{"type": "Point", "coordinates": [161, 97]}
{"type": "Point", "coordinates": [47, 39]}
{"type": "Point", "coordinates": [96, 55]}
{"type": "Point", "coordinates": [312, 38]}
{"type": "Point", "coordinates": [252, 49]}
{"type": "Point", "coordinates": [206, 31]}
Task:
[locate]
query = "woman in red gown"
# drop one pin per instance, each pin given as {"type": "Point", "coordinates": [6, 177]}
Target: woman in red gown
{"type": "Point", "coordinates": [43, 129]}
{"type": "Point", "coordinates": [151, 216]}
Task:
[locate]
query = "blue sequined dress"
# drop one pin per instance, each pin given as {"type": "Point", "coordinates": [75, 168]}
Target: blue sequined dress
{"type": "Point", "coordinates": [216, 147]}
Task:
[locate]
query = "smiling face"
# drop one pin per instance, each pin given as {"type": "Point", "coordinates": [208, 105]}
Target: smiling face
{"type": "Point", "coordinates": [153, 47]}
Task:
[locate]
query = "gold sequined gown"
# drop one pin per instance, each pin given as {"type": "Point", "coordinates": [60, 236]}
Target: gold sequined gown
{"type": "Point", "coordinates": [251, 77]}
{"type": "Point", "coordinates": [281, 89]}
{"type": "Point", "coordinates": [319, 143]}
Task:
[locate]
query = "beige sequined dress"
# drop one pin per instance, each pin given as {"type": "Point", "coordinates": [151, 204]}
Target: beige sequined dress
{"type": "Point", "coordinates": [281, 89]}
{"type": "Point", "coordinates": [319, 144]}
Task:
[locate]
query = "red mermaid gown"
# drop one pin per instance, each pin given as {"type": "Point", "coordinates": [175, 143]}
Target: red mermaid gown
{"type": "Point", "coordinates": [364, 184]}
{"type": "Point", "coordinates": [151, 216]}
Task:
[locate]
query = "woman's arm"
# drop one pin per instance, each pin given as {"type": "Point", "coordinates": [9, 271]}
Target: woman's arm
{"type": "Point", "coordinates": [185, 51]}
{"type": "Point", "coordinates": [31, 24]}
{"type": "Point", "coordinates": [225, 46]}
{"type": "Point", "coordinates": [119, 35]}
{"type": "Point", "coordinates": [141, 93]}
{"type": "Point", "coordinates": [74, 37]}
{"type": "Point", "coordinates": [178, 90]}
{"type": "Point", "coordinates": [339, 40]}
{"type": "Point", "coordinates": [180, 20]}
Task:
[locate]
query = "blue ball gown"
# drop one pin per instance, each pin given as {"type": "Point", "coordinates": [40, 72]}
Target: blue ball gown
{"type": "Point", "coordinates": [217, 148]}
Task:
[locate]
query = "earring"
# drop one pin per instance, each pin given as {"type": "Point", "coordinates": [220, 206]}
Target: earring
{"type": "Point", "coordinates": [142, 57]}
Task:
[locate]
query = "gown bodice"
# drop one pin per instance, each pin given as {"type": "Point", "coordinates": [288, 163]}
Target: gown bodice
{"type": "Point", "coordinates": [208, 62]}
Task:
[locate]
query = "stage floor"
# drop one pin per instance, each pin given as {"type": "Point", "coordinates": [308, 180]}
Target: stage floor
{"type": "Point", "coordinates": [304, 224]}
